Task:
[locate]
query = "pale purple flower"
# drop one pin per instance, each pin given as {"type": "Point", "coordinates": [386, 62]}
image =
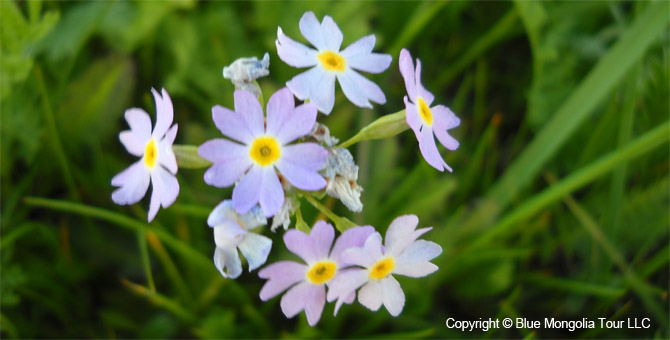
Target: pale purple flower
{"type": "Point", "coordinates": [306, 282]}
{"type": "Point", "coordinates": [157, 163]}
{"type": "Point", "coordinates": [425, 120]}
{"type": "Point", "coordinates": [402, 254]}
{"type": "Point", "coordinates": [233, 231]}
{"type": "Point", "coordinates": [329, 63]}
{"type": "Point", "coordinates": [264, 147]}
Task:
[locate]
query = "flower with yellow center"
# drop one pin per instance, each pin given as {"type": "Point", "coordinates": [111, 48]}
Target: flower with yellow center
{"type": "Point", "coordinates": [328, 63]}
{"type": "Point", "coordinates": [306, 283]}
{"type": "Point", "coordinates": [157, 165]}
{"type": "Point", "coordinates": [265, 151]}
{"type": "Point", "coordinates": [402, 254]}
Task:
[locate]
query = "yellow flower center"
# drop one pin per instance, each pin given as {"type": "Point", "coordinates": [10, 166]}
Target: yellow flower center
{"type": "Point", "coordinates": [332, 61]}
{"type": "Point", "coordinates": [424, 112]}
{"type": "Point", "coordinates": [265, 150]}
{"type": "Point", "coordinates": [150, 154]}
{"type": "Point", "coordinates": [382, 268]}
{"type": "Point", "coordinates": [321, 272]}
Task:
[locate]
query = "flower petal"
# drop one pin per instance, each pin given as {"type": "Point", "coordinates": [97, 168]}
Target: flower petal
{"type": "Point", "coordinates": [231, 161]}
{"type": "Point", "coordinates": [413, 119]}
{"type": "Point", "coordinates": [133, 143]}
{"type": "Point", "coordinates": [164, 113]}
{"type": "Point", "coordinates": [300, 163]}
{"type": "Point", "coordinates": [301, 244]}
{"type": "Point", "coordinates": [314, 304]}
{"type": "Point", "coordinates": [367, 255]}
{"type": "Point", "coordinates": [294, 53]}
{"type": "Point", "coordinates": [322, 236]}
{"type": "Point", "coordinates": [401, 233]}
{"type": "Point", "coordinates": [222, 150]}
{"type": "Point", "coordinates": [293, 124]}
{"type": "Point", "coordinates": [371, 295]}
{"type": "Point", "coordinates": [359, 89]}
{"type": "Point", "coordinates": [317, 85]}
{"type": "Point", "coordinates": [352, 237]}
{"type": "Point", "coordinates": [393, 296]}
{"type": "Point", "coordinates": [154, 202]}
{"type": "Point", "coordinates": [248, 190]}
{"type": "Point", "coordinates": [311, 30]}
{"type": "Point", "coordinates": [279, 109]}
{"type": "Point", "coordinates": [272, 194]}
{"type": "Point", "coordinates": [280, 275]}
{"type": "Point", "coordinates": [133, 183]}
{"type": "Point", "coordinates": [427, 96]}
{"type": "Point", "coordinates": [346, 282]}
{"type": "Point", "coordinates": [231, 124]}
{"type": "Point", "coordinates": [305, 296]}
{"type": "Point", "coordinates": [349, 299]}
{"type": "Point", "coordinates": [228, 234]}
{"type": "Point", "coordinates": [444, 120]}
{"type": "Point", "coordinates": [359, 48]}
{"type": "Point", "coordinates": [407, 70]}
{"type": "Point", "coordinates": [371, 63]}
{"type": "Point", "coordinates": [253, 219]}
{"type": "Point", "coordinates": [227, 261]}
{"type": "Point", "coordinates": [222, 212]}
{"type": "Point", "coordinates": [331, 34]}
{"type": "Point", "coordinates": [255, 249]}
{"type": "Point", "coordinates": [429, 150]}
{"type": "Point", "coordinates": [167, 185]}
{"type": "Point", "coordinates": [247, 105]}
{"type": "Point", "coordinates": [166, 156]}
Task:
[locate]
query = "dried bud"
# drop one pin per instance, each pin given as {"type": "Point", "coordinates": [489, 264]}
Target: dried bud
{"type": "Point", "coordinates": [244, 71]}
{"type": "Point", "coordinates": [321, 134]}
{"type": "Point", "coordinates": [283, 216]}
{"type": "Point", "coordinates": [342, 173]}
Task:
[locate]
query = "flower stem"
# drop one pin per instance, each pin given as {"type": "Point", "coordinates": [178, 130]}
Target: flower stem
{"type": "Point", "coordinates": [145, 259]}
{"type": "Point", "coordinates": [341, 223]}
{"type": "Point", "coordinates": [382, 128]}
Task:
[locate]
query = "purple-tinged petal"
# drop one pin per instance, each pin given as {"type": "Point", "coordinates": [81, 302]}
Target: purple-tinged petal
{"type": "Point", "coordinates": [407, 70]}
{"type": "Point", "coordinates": [371, 295]}
{"type": "Point", "coordinates": [305, 296]}
{"type": "Point", "coordinates": [231, 161]}
{"type": "Point", "coordinates": [296, 123]}
{"type": "Point", "coordinates": [154, 202]}
{"type": "Point", "coordinates": [331, 34]}
{"type": "Point", "coordinates": [164, 113]}
{"type": "Point", "coordinates": [445, 120]}
{"type": "Point", "coordinates": [360, 90]}
{"type": "Point", "coordinates": [352, 237]}
{"type": "Point", "coordinates": [248, 191]}
{"type": "Point", "coordinates": [281, 275]}
{"type": "Point", "coordinates": [248, 106]}
{"type": "Point", "coordinates": [279, 109]}
{"type": "Point", "coordinates": [302, 173]}
{"type": "Point", "coordinates": [393, 296]}
{"type": "Point", "coordinates": [322, 236]}
{"type": "Point", "coordinates": [227, 261]}
{"type": "Point", "coordinates": [222, 150]}
{"type": "Point", "coordinates": [133, 183]}
{"type": "Point", "coordinates": [166, 156]}
{"type": "Point", "coordinates": [228, 234]}
{"type": "Point", "coordinates": [255, 249]}
{"type": "Point", "coordinates": [401, 233]}
{"type": "Point", "coordinates": [346, 282]}
{"type": "Point", "coordinates": [140, 124]}
{"type": "Point", "coordinates": [314, 305]}
{"type": "Point", "coordinates": [272, 194]}
{"type": "Point", "coordinates": [419, 269]}
{"type": "Point", "coordinates": [135, 144]}
{"type": "Point", "coordinates": [225, 174]}
{"type": "Point", "coordinates": [167, 185]}
{"type": "Point", "coordinates": [429, 150]}
{"type": "Point", "coordinates": [302, 245]}
{"type": "Point", "coordinates": [413, 261]}
{"type": "Point", "coordinates": [371, 63]}
{"type": "Point", "coordinates": [427, 96]}
{"type": "Point", "coordinates": [223, 212]}
{"type": "Point", "coordinates": [445, 139]}
{"type": "Point", "coordinates": [232, 124]}
{"type": "Point", "coordinates": [359, 48]}
{"type": "Point", "coordinates": [413, 119]}
{"type": "Point", "coordinates": [294, 53]}
{"type": "Point", "coordinates": [349, 299]}
{"type": "Point", "coordinates": [311, 30]}
{"type": "Point", "coordinates": [365, 256]}
{"type": "Point", "coordinates": [317, 85]}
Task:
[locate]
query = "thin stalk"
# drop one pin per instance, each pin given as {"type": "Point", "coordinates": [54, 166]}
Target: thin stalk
{"type": "Point", "coordinates": [146, 263]}
{"type": "Point", "coordinates": [160, 301]}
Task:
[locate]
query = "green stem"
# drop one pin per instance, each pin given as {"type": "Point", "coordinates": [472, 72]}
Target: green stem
{"type": "Point", "coordinates": [146, 263]}
{"type": "Point", "coordinates": [161, 301]}
{"type": "Point", "coordinates": [341, 223]}
{"type": "Point", "coordinates": [382, 128]}
{"type": "Point", "coordinates": [122, 221]}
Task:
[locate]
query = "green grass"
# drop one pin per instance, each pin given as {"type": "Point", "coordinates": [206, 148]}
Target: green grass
{"type": "Point", "coordinates": [557, 206]}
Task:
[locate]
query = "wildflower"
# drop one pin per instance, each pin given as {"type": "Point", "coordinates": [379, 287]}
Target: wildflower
{"type": "Point", "coordinates": [244, 71]}
{"type": "Point", "coordinates": [264, 148]}
{"type": "Point", "coordinates": [426, 121]}
{"type": "Point", "coordinates": [401, 254]}
{"type": "Point", "coordinates": [305, 282]}
{"type": "Point", "coordinates": [318, 83]}
{"type": "Point", "coordinates": [342, 174]}
{"type": "Point", "coordinates": [158, 162]}
{"type": "Point", "coordinates": [233, 231]}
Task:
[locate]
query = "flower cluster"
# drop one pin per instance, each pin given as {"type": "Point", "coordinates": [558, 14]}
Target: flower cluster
{"type": "Point", "coordinates": [281, 156]}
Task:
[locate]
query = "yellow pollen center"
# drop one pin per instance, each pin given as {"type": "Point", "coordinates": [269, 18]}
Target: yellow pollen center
{"type": "Point", "coordinates": [321, 272]}
{"type": "Point", "coordinates": [265, 150]}
{"type": "Point", "coordinates": [382, 268]}
{"type": "Point", "coordinates": [424, 111]}
{"type": "Point", "coordinates": [332, 61]}
{"type": "Point", "coordinates": [150, 154]}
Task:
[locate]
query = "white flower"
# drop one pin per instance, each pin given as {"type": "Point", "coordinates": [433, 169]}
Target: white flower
{"type": "Point", "coordinates": [233, 231]}
{"type": "Point", "coordinates": [401, 254]}
{"type": "Point", "coordinates": [329, 63]}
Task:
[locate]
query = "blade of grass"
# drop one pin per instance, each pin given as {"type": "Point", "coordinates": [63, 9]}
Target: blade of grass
{"type": "Point", "coordinates": [146, 263]}
{"type": "Point", "coordinates": [422, 15]}
{"type": "Point", "coordinates": [160, 301]}
{"type": "Point", "coordinates": [573, 286]}
{"type": "Point", "coordinates": [169, 266]}
{"type": "Point", "coordinates": [122, 221]}
{"type": "Point", "coordinates": [597, 84]}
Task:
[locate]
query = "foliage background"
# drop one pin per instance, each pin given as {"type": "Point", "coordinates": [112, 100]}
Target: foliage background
{"type": "Point", "coordinates": [557, 207]}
